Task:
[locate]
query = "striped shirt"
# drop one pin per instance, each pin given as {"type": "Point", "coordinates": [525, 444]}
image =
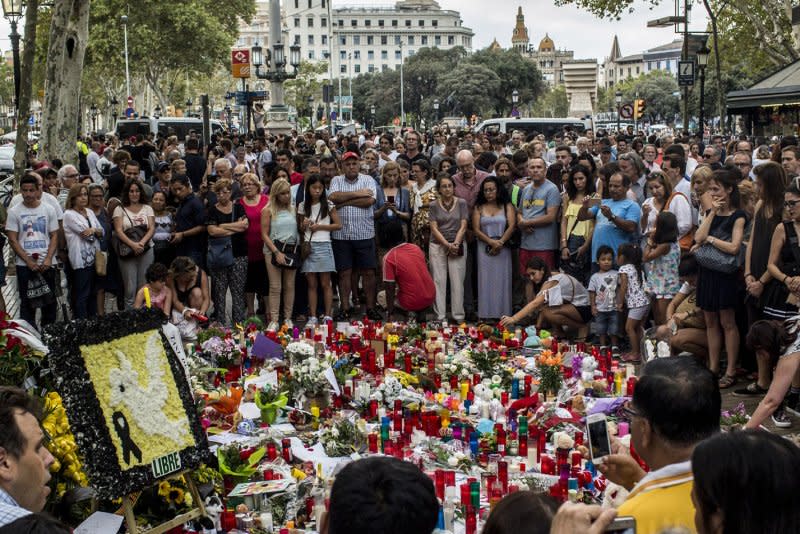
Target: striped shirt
{"type": "Point", "coordinates": [10, 511]}
{"type": "Point", "coordinates": [357, 223]}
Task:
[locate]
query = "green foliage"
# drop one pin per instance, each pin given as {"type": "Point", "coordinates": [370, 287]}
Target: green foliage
{"type": "Point", "coordinates": [514, 72]}
{"type": "Point", "coordinates": [608, 9]}
{"type": "Point", "coordinates": [304, 86]}
{"type": "Point", "coordinates": [553, 103]}
{"type": "Point", "coordinates": [657, 88]}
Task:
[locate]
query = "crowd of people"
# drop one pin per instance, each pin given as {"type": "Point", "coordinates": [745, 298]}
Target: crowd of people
{"type": "Point", "coordinates": [627, 238]}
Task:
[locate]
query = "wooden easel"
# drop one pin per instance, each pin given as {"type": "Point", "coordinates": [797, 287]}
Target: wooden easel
{"type": "Point", "coordinates": [198, 511]}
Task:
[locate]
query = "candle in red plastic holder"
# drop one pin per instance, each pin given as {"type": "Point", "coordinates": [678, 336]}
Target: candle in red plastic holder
{"type": "Point", "coordinates": [504, 398]}
{"type": "Point", "coordinates": [388, 359]}
{"type": "Point", "coordinates": [373, 408]}
{"type": "Point", "coordinates": [476, 379]}
{"type": "Point", "coordinates": [541, 445]}
{"type": "Point", "coordinates": [272, 451]}
{"type": "Point", "coordinates": [337, 401]}
{"type": "Point", "coordinates": [502, 475]}
{"type": "Point", "coordinates": [348, 392]}
{"type": "Point", "coordinates": [450, 479]}
{"type": "Point", "coordinates": [373, 367]}
{"type": "Point", "coordinates": [500, 434]}
{"type": "Point", "coordinates": [562, 457]}
{"type": "Point", "coordinates": [228, 520]}
{"type": "Point", "coordinates": [373, 442]}
{"type": "Point", "coordinates": [523, 446]}
{"type": "Point", "coordinates": [398, 449]}
{"type": "Point", "coordinates": [453, 382]}
{"type": "Point", "coordinates": [355, 342]}
{"type": "Point", "coordinates": [437, 381]}
{"type": "Point", "coordinates": [470, 520]}
{"type": "Point", "coordinates": [388, 448]}
{"type": "Point", "coordinates": [630, 386]}
{"type": "Point", "coordinates": [577, 458]}
{"type": "Point", "coordinates": [439, 483]}
{"type": "Point", "coordinates": [528, 383]}
{"type": "Point", "coordinates": [397, 422]}
{"type": "Point", "coordinates": [578, 438]}
{"type": "Point", "coordinates": [489, 483]}
{"type": "Point", "coordinates": [465, 494]}
{"type": "Point", "coordinates": [398, 406]}
{"type": "Point", "coordinates": [269, 474]}
{"type": "Point", "coordinates": [407, 363]}
{"type": "Point", "coordinates": [548, 465]}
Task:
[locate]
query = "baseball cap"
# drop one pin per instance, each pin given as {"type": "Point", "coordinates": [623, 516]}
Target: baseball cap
{"type": "Point", "coordinates": [348, 155]}
{"type": "Point", "coordinates": [163, 166]}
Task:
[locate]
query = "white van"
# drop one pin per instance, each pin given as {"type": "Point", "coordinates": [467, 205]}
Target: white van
{"type": "Point", "coordinates": [164, 126]}
{"type": "Point", "coordinates": [548, 127]}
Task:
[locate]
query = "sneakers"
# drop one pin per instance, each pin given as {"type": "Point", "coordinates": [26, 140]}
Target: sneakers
{"type": "Point", "coordinates": [343, 316]}
{"type": "Point", "coordinates": [615, 353]}
{"type": "Point", "coordinates": [312, 322]}
{"type": "Point", "coordinates": [325, 319]}
{"type": "Point", "coordinates": [272, 327]}
{"type": "Point", "coordinates": [792, 404]}
{"type": "Point", "coordinates": [289, 324]}
{"type": "Point", "coordinates": [751, 390]}
{"type": "Point", "coordinates": [780, 419]}
{"type": "Point", "coordinates": [374, 315]}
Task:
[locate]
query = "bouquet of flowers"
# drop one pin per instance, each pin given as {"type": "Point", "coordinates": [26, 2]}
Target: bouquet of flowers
{"type": "Point", "coordinates": [450, 456]}
{"type": "Point", "coordinates": [457, 367]}
{"type": "Point", "coordinates": [487, 361]}
{"type": "Point", "coordinates": [66, 468]}
{"type": "Point", "coordinates": [735, 418]}
{"type": "Point", "coordinates": [344, 368]}
{"type": "Point", "coordinates": [549, 368]}
{"type": "Point", "coordinates": [19, 360]}
{"type": "Point", "coordinates": [419, 359]}
{"type": "Point", "coordinates": [342, 437]}
{"type": "Point", "coordinates": [298, 351]}
{"type": "Point", "coordinates": [238, 462]}
{"type": "Point", "coordinates": [269, 400]}
{"type": "Point", "coordinates": [223, 351]}
{"type": "Point", "coordinates": [308, 378]}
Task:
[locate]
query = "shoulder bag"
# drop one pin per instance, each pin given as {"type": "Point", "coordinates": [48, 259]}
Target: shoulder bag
{"type": "Point", "coordinates": [292, 253]}
{"type": "Point", "coordinates": [134, 233]}
{"type": "Point", "coordinates": [687, 240]}
{"type": "Point", "coordinates": [220, 250]}
{"type": "Point", "coordinates": [711, 258]}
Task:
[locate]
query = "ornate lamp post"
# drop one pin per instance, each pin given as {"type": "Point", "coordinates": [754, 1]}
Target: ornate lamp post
{"type": "Point", "coordinates": [114, 104]}
{"type": "Point", "coordinates": [702, 63]}
{"type": "Point", "coordinates": [93, 112]}
{"type": "Point", "coordinates": [514, 101]}
{"type": "Point", "coordinates": [436, 109]}
{"type": "Point", "coordinates": [12, 10]}
{"type": "Point", "coordinates": [157, 112]}
{"type": "Point", "coordinates": [618, 100]}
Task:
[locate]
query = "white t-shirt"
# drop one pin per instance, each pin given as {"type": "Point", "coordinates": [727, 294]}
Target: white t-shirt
{"type": "Point", "coordinates": [572, 290]}
{"type": "Point", "coordinates": [635, 296]}
{"type": "Point", "coordinates": [319, 236]}
{"type": "Point", "coordinates": [130, 219]}
{"type": "Point", "coordinates": [604, 287]}
{"type": "Point", "coordinates": [47, 198]}
{"type": "Point", "coordinates": [33, 227]}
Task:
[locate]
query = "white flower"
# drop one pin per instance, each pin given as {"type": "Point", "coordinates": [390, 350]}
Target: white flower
{"type": "Point", "coordinates": [496, 380]}
{"type": "Point", "coordinates": [562, 440]}
{"type": "Point", "coordinates": [465, 373]}
{"type": "Point", "coordinates": [335, 432]}
{"type": "Point", "coordinates": [452, 461]}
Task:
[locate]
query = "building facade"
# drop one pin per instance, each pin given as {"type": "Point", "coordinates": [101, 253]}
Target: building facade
{"type": "Point", "coordinates": [617, 67]}
{"type": "Point", "coordinates": [361, 39]}
{"type": "Point", "coordinates": [546, 56]}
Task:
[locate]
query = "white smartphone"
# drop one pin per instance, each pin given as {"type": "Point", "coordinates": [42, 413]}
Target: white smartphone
{"type": "Point", "coordinates": [622, 525]}
{"type": "Point", "coordinates": [599, 441]}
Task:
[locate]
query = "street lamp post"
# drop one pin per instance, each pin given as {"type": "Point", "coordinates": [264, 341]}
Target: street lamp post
{"type": "Point", "coordinates": [114, 104]}
{"type": "Point", "coordinates": [311, 110]}
{"type": "Point", "coordinates": [93, 111]}
{"type": "Point", "coordinates": [402, 106]}
{"type": "Point", "coordinates": [436, 110]}
{"type": "Point", "coordinates": [157, 112]}
{"type": "Point", "coordinates": [12, 10]}
{"type": "Point", "coordinates": [514, 100]}
{"type": "Point", "coordinates": [228, 116]}
{"type": "Point", "coordinates": [702, 62]}
{"type": "Point", "coordinates": [618, 100]}
{"type": "Point", "coordinates": [124, 20]}
{"type": "Point", "coordinates": [372, 115]}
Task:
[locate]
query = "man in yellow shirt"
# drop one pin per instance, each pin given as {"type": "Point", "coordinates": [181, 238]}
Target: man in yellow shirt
{"type": "Point", "coordinates": [675, 406]}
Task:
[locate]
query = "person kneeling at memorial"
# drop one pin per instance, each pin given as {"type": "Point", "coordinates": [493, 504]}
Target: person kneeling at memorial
{"type": "Point", "coordinates": [685, 329]}
{"type": "Point", "coordinates": [560, 299]}
{"type": "Point", "coordinates": [408, 283]}
{"type": "Point", "coordinates": [381, 494]}
{"type": "Point", "coordinates": [24, 460]}
{"type": "Point", "coordinates": [675, 406]}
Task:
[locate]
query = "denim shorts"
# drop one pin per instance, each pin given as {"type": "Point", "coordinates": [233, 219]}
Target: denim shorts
{"type": "Point", "coordinates": [321, 258]}
{"type": "Point", "coordinates": [606, 323]}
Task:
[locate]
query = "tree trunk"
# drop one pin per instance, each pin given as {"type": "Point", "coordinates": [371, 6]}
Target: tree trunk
{"type": "Point", "coordinates": [25, 90]}
{"type": "Point", "coordinates": [69, 35]}
{"type": "Point", "coordinates": [712, 17]}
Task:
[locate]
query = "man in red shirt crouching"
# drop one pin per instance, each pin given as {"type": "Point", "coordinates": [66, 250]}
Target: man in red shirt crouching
{"type": "Point", "coordinates": [408, 283]}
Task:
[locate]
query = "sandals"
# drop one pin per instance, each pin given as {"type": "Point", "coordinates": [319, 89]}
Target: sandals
{"type": "Point", "coordinates": [726, 381]}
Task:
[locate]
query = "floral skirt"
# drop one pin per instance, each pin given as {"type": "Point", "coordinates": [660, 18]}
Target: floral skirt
{"type": "Point", "coordinates": [421, 229]}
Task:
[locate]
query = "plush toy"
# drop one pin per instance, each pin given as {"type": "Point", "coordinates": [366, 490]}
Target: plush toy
{"type": "Point", "coordinates": [214, 509]}
{"type": "Point", "coordinates": [578, 405]}
{"type": "Point", "coordinates": [588, 367]}
{"type": "Point", "coordinates": [532, 339]}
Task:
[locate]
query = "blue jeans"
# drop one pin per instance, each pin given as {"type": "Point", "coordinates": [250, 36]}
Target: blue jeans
{"type": "Point", "coordinates": [26, 311]}
{"type": "Point", "coordinates": [83, 292]}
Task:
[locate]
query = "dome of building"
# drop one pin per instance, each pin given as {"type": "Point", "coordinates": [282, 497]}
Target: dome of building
{"type": "Point", "coordinates": [546, 44]}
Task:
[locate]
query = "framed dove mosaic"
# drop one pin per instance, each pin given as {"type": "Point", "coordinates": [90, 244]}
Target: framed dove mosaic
{"type": "Point", "coordinates": [127, 399]}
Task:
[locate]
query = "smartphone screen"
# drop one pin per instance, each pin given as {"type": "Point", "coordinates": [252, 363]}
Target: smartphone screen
{"type": "Point", "coordinates": [622, 525]}
{"type": "Point", "coordinates": [598, 438]}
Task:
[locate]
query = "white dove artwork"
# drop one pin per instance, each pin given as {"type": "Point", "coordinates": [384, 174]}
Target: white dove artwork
{"type": "Point", "coordinates": [149, 410]}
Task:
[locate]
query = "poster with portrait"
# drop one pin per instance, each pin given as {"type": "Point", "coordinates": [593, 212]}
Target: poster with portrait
{"type": "Point", "coordinates": [127, 400]}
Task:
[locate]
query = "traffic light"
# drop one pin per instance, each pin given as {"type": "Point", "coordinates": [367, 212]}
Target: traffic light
{"type": "Point", "coordinates": [638, 108]}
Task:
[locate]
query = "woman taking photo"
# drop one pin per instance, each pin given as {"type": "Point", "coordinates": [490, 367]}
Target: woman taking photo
{"type": "Point", "coordinates": [318, 218]}
{"type": "Point", "coordinates": [574, 312]}
{"type": "Point", "coordinates": [448, 255]}
{"type": "Point", "coordinates": [83, 233]}
{"type": "Point", "coordinates": [423, 192]}
{"type": "Point", "coordinates": [723, 229]}
{"type": "Point", "coordinates": [257, 284]}
{"type": "Point", "coordinates": [493, 221]}
{"type": "Point", "coordinates": [281, 252]}
{"type": "Point", "coordinates": [391, 217]}
{"type": "Point", "coordinates": [228, 220]}
{"type": "Point", "coordinates": [576, 236]}
{"type": "Point", "coordinates": [134, 211]}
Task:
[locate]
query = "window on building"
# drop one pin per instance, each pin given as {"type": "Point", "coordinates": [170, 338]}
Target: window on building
{"type": "Point", "coordinates": [342, 55]}
{"type": "Point", "coordinates": [398, 54]}
{"type": "Point", "coordinates": [356, 40]}
{"type": "Point", "coordinates": [368, 22]}
{"type": "Point", "coordinates": [421, 23]}
{"type": "Point", "coordinates": [451, 39]}
{"type": "Point", "coordinates": [353, 23]}
{"type": "Point", "coordinates": [629, 72]}
{"type": "Point", "coordinates": [341, 23]}
{"type": "Point", "coordinates": [649, 65]}
{"type": "Point", "coordinates": [309, 4]}
{"type": "Point", "coordinates": [370, 40]}
{"type": "Point", "coordinates": [323, 22]}
{"type": "Point", "coordinates": [356, 54]}
{"type": "Point", "coordinates": [323, 3]}
{"type": "Point", "coordinates": [311, 40]}
{"type": "Point", "coordinates": [343, 69]}
{"type": "Point", "coordinates": [668, 64]}
{"type": "Point", "coordinates": [411, 53]}
{"type": "Point", "coordinates": [357, 68]}
{"type": "Point", "coordinates": [384, 68]}
{"type": "Point", "coordinates": [411, 40]}
{"type": "Point", "coordinates": [384, 54]}
{"type": "Point", "coordinates": [424, 40]}
{"type": "Point", "coordinates": [297, 4]}
{"type": "Point", "coordinates": [408, 23]}
{"type": "Point", "coordinates": [637, 70]}
{"type": "Point", "coordinates": [324, 39]}
{"type": "Point", "coordinates": [371, 68]}
{"type": "Point", "coordinates": [311, 54]}
{"type": "Point", "coordinates": [394, 23]}
{"type": "Point", "coordinates": [297, 22]}
{"type": "Point", "coordinates": [397, 40]}
{"type": "Point", "coordinates": [384, 40]}
{"type": "Point", "coordinates": [343, 40]}
{"type": "Point", "coordinates": [297, 39]}
{"type": "Point", "coordinates": [310, 22]}
{"type": "Point", "coordinates": [380, 23]}
{"type": "Point", "coordinates": [370, 54]}
{"type": "Point", "coordinates": [437, 40]}
{"type": "Point", "coordinates": [435, 23]}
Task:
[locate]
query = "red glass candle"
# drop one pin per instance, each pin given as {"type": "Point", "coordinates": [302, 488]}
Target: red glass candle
{"type": "Point", "coordinates": [373, 367]}
{"type": "Point", "coordinates": [407, 363]}
{"type": "Point", "coordinates": [228, 520]}
{"type": "Point", "coordinates": [578, 438]}
{"type": "Point", "coordinates": [523, 446]}
{"type": "Point", "coordinates": [272, 451]}
{"type": "Point", "coordinates": [286, 445]}
{"type": "Point", "coordinates": [453, 382]}
{"type": "Point", "coordinates": [373, 408]}
{"type": "Point", "coordinates": [373, 442]}
{"type": "Point", "coordinates": [465, 494]}
{"type": "Point", "coordinates": [504, 398]}
{"type": "Point", "coordinates": [355, 342]}
{"type": "Point", "coordinates": [576, 459]}
{"type": "Point", "coordinates": [476, 379]}
{"type": "Point", "coordinates": [450, 479]}
{"type": "Point", "coordinates": [470, 520]}
{"type": "Point", "coordinates": [502, 475]}
{"type": "Point", "coordinates": [528, 382]}
{"type": "Point", "coordinates": [437, 380]}
{"type": "Point", "coordinates": [397, 422]}
{"type": "Point", "coordinates": [388, 447]}
{"type": "Point", "coordinates": [500, 434]}
{"type": "Point", "coordinates": [548, 465]}
{"type": "Point", "coordinates": [388, 359]}
{"type": "Point", "coordinates": [439, 483]}
{"type": "Point", "coordinates": [541, 447]}
{"type": "Point", "coordinates": [398, 406]}
{"type": "Point", "coordinates": [630, 386]}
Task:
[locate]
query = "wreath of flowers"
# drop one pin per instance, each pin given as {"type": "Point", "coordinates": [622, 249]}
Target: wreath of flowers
{"type": "Point", "coordinates": [88, 424]}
